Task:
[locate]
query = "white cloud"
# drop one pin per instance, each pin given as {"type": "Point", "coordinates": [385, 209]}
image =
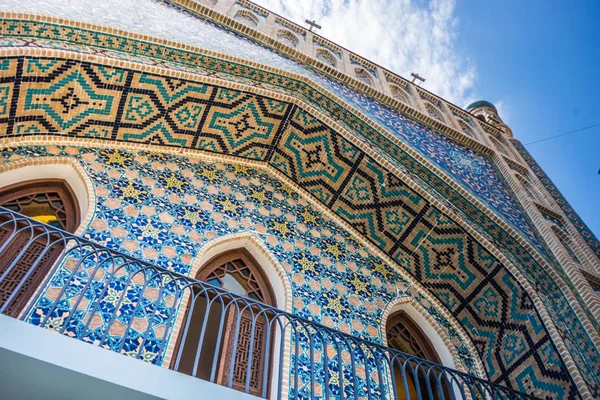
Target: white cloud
{"type": "Point", "coordinates": [402, 35]}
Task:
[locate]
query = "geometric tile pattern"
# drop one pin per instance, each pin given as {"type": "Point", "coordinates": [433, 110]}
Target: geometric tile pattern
{"type": "Point", "coordinates": [80, 99]}
{"type": "Point", "coordinates": [478, 175]}
{"type": "Point", "coordinates": [165, 124]}
{"type": "Point", "coordinates": [154, 109]}
{"type": "Point", "coordinates": [575, 219]}
{"type": "Point", "coordinates": [89, 100]}
{"type": "Point", "coordinates": [445, 260]}
{"type": "Point", "coordinates": [163, 208]}
{"type": "Point", "coordinates": [140, 213]}
{"type": "Point", "coordinates": [167, 118]}
{"type": "Point", "coordinates": [205, 140]}
{"type": "Point", "coordinates": [475, 171]}
{"type": "Point", "coordinates": [170, 117]}
{"type": "Point", "coordinates": [379, 205]}
{"type": "Point", "coordinates": [314, 156]}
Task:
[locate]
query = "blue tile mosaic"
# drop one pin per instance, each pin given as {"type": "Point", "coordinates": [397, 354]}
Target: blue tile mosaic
{"type": "Point", "coordinates": [335, 281]}
{"type": "Point", "coordinates": [478, 175]}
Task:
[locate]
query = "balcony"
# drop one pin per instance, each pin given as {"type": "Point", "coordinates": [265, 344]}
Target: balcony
{"type": "Point", "coordinates": [81, 290]}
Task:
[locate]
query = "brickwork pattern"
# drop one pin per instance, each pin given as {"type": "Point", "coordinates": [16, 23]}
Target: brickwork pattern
{"type": "Point", "coordinates": [575, 219]}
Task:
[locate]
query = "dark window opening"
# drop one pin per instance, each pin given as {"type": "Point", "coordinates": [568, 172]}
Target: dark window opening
{"type": "Point", "coordinates": [403, 334]}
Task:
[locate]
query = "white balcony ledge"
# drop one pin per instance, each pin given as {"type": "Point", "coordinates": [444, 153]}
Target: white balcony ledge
{"type": "Point", "coordinates": [40, 364]}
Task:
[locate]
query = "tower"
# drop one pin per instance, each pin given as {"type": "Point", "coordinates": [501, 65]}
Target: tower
{"type": "Point", "coordinates": [487, 112]}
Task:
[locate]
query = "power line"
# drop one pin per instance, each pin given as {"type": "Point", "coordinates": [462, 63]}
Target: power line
{"type": "Point", "coordinates": [562, 134]}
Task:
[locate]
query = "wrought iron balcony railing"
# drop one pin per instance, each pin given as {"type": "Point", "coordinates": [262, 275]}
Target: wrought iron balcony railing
{"type": "Point", "coordinates": [53, 279]}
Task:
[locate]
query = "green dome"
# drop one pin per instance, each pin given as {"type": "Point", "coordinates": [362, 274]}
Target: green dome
{"type": "Point", "coordinates": [481, 103]}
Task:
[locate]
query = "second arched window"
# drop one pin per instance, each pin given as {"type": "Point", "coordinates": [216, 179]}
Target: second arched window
{"type": "Point", "coordinates": [224, 340]}
{"type": "Point", "coordinates": [412, 379]}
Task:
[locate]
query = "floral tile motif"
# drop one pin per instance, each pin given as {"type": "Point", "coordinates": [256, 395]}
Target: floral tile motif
{"type": "Point", "coordinates": [334, 280]}
{"type": "Point", "coordinates": [471, 170]}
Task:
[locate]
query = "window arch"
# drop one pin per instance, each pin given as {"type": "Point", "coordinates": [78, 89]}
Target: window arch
{"type": "Point", "coordinates": [246, 18]}
{"type": "Point", "coordinates": [288, 38]}
{"type": "Point", "coordinates": [433, 111]}
{"type": "Point", "coordinates": [530, 190]}
{"type": "Point", "coordinates": [363, 76]}
{"type": "Point", "coordinates": [238, 272]}
{"type": "Point", "coordinates": [326, 57]}
{"type": "Point", "coordinates": [223, 321]}
{"type": "Point", "coordinates": [566, 244]}
{"type": "Point", "coordinates": [49, 201]}
{"type": "Point", "coordinates": [593, 281]}
{"type": "Point", "coordinates": [500, 146]}
{"type": "Point", "coordinates": [467, 129]}
{"type": "Point", "coordinates": [404, 334]}
{"type": "Point", "coordinates": [399, 93]}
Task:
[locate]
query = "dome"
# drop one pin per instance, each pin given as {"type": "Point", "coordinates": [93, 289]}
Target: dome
{"type": "Point", "coordinates": [481, 103]}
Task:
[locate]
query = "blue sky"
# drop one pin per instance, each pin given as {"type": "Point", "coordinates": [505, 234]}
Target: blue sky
{"type": "Point", "coordinates": [541, 60]}
{"type": "Point", "coordinates": [537, 60]}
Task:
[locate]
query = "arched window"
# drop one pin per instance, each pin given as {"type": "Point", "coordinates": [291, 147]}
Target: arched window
{"type": "Point", "coordinates": [363, 76]}
{"type": "Point", "coordinates": [433, 111]}
{"type": "Point", "coordinates": [51, 202]}
{"type": "Point", "coordinates": [399, 93]}
{"type": "Point", "coordinates": [215, 325]}
{"type": "Point", "coordinates": [529, 189]}
{"type": "Point", "coordinates": [466, 129]}
{"type": "Point", "coordinates": [500, 146]}
{"type": "Point", "coordinates": [565, 242]}
{"type": "Point", "coordinates": [246, 18]}
{"type": "Point", "coordinates": [593, 280]}
{"type": "Point", "coordinates": [287, 37]}
{"type": "Point", "coordinates": [403, 334]}
{"type": "Point", "coordinates": [326, 57]}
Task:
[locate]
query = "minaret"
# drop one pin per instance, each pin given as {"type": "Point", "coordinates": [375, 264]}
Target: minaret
{"type": "Point", "coordinates": [485, 111]}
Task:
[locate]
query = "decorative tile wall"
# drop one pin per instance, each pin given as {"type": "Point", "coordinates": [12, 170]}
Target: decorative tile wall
{"type": "Point", "coordinates": [472, 170]}
{"type": "Point", "coordinates": [184, 127]}
{"type": "Point", "coordinates": [163, 208]}
{"type": "Point", "coordinates": [130, 106]}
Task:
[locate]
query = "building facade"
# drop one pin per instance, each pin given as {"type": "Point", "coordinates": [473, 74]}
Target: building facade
{"type": "Point", "coordinates": [213, 189]}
